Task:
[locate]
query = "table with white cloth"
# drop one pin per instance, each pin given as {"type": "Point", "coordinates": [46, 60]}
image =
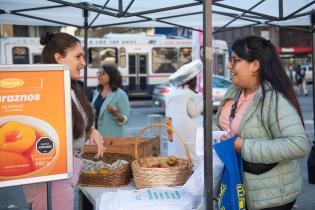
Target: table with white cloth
{"type": "Point", "coordinates": [90, 196]}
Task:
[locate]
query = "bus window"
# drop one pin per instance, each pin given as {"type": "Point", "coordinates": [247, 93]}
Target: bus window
{"type": "Point", "coordinates": [99, 56]}
{"type": "Point", "coordinates": [122, 57]}
{"type": "Point", "coordinates": [164, 60]}
{"type": "Point", "coordinates": [36, 58]}
{"type": "Point", "coordinates": [20, 55]}
{"type": "Point", "coordinates": [184, 55]}
{"type": "Point", "coordinates": [218, 64]}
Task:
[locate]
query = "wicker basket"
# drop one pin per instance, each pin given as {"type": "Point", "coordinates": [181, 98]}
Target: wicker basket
{"type": "Point", "coordinates": [114, 178]}
{"type": "Point", "coordinates": [145, 177]}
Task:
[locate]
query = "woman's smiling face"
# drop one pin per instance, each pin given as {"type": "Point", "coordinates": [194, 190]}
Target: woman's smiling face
{"type": "Point", "coordinates": [241, 71]}
{"type": "Point", "coordinates": [74, 59]}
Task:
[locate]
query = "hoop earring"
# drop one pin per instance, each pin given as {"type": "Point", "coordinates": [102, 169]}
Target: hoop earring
{"type": "Point", "coordinates": [253, 74]}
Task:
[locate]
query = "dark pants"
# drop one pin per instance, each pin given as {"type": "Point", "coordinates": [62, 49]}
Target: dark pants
{"type": "Point", "coordinates": [287, 206]}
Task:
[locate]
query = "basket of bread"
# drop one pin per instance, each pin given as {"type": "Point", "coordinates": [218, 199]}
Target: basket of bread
{"type": "Point", "coordinates": [112, 170]}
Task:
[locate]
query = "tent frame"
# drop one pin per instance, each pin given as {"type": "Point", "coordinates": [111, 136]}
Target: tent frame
{"type": "Point", "coordinates": [247, 14]}
{"type": "Point", "coordinates": [255, 18]}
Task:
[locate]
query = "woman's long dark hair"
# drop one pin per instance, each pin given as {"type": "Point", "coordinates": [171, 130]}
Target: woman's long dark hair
{"type": "Point", "coordinates": [271, 68]}
{"type": "Point", "coordinates": [115, 79]}
{"type": "Point", "coordinates": [60, 43]}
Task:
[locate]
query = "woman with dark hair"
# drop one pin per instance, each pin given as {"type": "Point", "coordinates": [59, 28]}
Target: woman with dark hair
{"type": "Point", "coordinates": [63, 48]}
{"type": "Point", "coordinates": [110, 102]}
{"type": "Point", "coordinates": [262, 110]}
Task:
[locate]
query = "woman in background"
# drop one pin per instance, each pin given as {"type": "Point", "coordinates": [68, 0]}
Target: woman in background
{"type": "Point", "coordinates": [110, 102]}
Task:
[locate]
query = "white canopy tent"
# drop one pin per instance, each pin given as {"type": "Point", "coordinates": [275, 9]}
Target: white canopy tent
{"type": "Point", "coordinates": [193, 14]}
{"type": "Point", "coordinates": [162, 13]}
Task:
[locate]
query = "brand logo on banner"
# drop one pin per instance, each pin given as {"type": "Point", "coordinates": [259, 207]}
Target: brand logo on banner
{"type": "Point", "coordinates": [11, 83]}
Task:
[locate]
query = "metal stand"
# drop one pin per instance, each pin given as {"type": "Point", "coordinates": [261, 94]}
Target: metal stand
{"type": "Point", "coordinates": [207, 105]}
{"type": "Point", "coordinates": [49, 206]}
{"type": "Point", "coordinates": [311, 157]}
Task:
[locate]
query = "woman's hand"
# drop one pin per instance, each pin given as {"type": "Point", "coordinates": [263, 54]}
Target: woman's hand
{"type": "Point", "coordinates": [115, 113]}
{"type": "Point", "coordinates": [238, 144]}
{"type": "Point", "coordinates": [230, 134]}
{"type": "Point", "coordinates": [112, 110]}
{"type": "Point", "coordinates": [97, 139]}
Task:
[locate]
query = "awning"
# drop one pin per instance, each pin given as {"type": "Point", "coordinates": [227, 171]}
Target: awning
{"type": "Point", "coordinates": [294, 50]}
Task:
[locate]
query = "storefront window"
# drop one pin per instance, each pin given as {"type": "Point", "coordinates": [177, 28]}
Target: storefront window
{"type": "Point", "coordinates": [99, 56]}
{"type": "Point", "coordinates": [122, 57]}
{"type": "Point", "coordinates": [164, 60]}
{"type": "Point", "coordinates": [218, 64]}
{"type": "Point", "coordinates": [20, 55]}
{"type": "Point", "coordinates": [184, 56]}
{"type": "Point", "coordinates": [36, 58]}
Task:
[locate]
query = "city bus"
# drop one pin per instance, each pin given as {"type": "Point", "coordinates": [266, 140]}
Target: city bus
{"type": "Point", "coordinates": [144, 61]}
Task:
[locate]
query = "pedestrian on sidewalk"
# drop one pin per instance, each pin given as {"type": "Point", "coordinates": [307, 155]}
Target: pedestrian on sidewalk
{"type": "Point", "coordinates": [262, 110]}
{"type": "Point", "coordinates": [301, 80]}
{"type": "Point", "coordinates": [63, 48]}
{"type": "Point", "coordinates": [289, 70]}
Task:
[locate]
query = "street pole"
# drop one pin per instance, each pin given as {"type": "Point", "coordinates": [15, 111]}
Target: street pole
{"type": "Point", "coordinates": [86, 27]}
{"type": "Point", "coordinates": [207, 101]}
{"type": "Point", "coordinates": [311, 157]}
{"type": "Point", "coordinates": [49, 204]}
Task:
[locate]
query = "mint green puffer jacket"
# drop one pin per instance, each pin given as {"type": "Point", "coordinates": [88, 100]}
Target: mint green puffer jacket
{"type": "Point", "coordinates": [267, 141]}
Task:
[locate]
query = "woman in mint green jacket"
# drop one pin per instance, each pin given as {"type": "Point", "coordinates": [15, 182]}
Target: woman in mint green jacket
{"type": "Point", "coordinates": [262, 109]}
{"type": "Point", "coordinates": [110, 102]}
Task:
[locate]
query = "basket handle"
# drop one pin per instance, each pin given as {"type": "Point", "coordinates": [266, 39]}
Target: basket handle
{"type": "Point", "coordinates": [138, 137]}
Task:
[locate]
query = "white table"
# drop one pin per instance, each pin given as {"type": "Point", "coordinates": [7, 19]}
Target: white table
{"type": "Point", "coordinates": [89, 196]}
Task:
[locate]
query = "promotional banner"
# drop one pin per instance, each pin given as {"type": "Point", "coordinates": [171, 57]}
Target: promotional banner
{"type": "Point", "coordinates": [197, 53]}
{"type": "Point", "coordinates": [35, 124]}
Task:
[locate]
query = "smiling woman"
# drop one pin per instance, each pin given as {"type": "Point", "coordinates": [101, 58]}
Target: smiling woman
{"type": "Point", "coordinates": [65, 49]}
{"type": "Point", "coordinates": [262, 111]}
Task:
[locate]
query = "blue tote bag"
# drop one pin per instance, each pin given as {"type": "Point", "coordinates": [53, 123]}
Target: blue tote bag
{"type": "Point", "coordinates": [232, 189]}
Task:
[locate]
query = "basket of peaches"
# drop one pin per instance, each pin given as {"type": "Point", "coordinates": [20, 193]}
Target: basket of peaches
{"type": "Point", "coordinates": [161, 171]}
{"type": "Point", "coordinates": [111, 170]}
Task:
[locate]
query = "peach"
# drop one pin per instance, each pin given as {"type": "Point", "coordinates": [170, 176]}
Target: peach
{"type": "Point", "coordinates": [171, 161]}
{"type": "Point", "coordinates": [13, 164]}
{"type": "Point", "coordinates": [16, 137]}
